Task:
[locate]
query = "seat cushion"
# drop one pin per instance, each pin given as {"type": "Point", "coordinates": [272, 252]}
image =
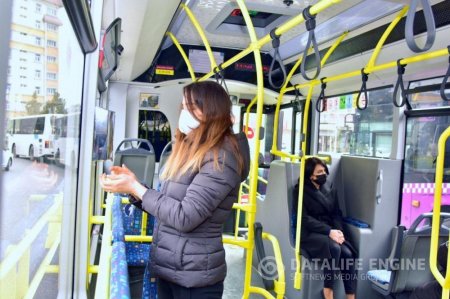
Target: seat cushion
{"type": "Point", "coordinates": [380, 278]}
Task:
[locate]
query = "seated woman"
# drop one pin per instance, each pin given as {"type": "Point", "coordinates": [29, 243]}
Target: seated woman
{"type": "Point", "coordinates": [322, 236]}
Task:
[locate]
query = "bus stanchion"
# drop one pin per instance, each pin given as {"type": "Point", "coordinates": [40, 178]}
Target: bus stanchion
{"type": "Point", "coordinates": [435, 228]}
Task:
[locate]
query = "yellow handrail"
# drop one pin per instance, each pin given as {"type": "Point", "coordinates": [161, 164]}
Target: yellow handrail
{"type": "Point", "coordinates": [138, 238]}
{"type": "Point", "coordinates": [274, 149]}
{"type": "Point", "coordinates": [202, 35]}
{"type": "Point", "coordinates": [183, 54]}
{"type": "Point", "coordinates": [254, 166]}
{"type": "Point", "coordinates": [103, 279]}
{"type": "Point", "coordinates": [435, 229]}
{"type": "Point", "coordinates": [298, 268]}
{"type": "Point", "coordinates": [280, 284]}
{"type": "Point", "coordinates": [385, 35]}
{"type": "Point", "coordinates": [392, 64]}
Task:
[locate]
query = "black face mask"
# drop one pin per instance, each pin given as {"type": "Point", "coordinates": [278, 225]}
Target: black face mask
{"type": "Point", "coordinates": [320, 179]}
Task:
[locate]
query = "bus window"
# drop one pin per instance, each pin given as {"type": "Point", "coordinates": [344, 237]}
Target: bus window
{"type": "Point", "coordinates": [420, 166]}
{"type": "Point", "coordinates": [286, 134]}
{"type": "Point", "coordinates": [426, 94]}
{"type": "Point", "coordinates": [298, 131]}
{"type": "Point", "coordinates": [345, 129]}
{"type": "Point", "coordinates": [44, 83]}
{"type": "Point", "coordinates": [154, 127]}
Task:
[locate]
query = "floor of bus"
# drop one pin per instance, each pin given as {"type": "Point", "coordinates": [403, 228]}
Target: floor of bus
{"type": "Point", "coordinates": [234, 282]}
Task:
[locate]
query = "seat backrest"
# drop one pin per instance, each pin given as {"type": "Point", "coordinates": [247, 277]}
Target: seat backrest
{"type": "Point", "coordinates": [412, 269]}
{"type": "Point", "coordinates": [139, 156]}
{"type": "Point", "coordinates": [167, 150]}
{"type": "Point", "coordinates": [118, 232]}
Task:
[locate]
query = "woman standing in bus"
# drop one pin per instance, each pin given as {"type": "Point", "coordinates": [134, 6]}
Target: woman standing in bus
{"type": "Point", "coordinates": [322, 235]}
{"type": "Point", "coordinates": [200, 183]}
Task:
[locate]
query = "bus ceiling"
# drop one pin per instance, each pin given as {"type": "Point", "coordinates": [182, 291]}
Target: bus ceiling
{"type": "Point", "coordinates": [146, 22]}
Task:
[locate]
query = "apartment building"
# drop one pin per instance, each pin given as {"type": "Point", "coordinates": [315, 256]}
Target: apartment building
{"type": "Point", "coordinates": [34, 57]}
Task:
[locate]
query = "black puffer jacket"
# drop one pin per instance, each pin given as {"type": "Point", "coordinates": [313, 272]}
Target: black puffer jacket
{"type": "Point", "coordinates": [187, 241]}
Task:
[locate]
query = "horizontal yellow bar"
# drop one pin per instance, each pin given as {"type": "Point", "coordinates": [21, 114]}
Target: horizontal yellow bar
{"type": "Point", "coordinates": [243, 207]}
{"type": "Point", "coordinates": [97, 219]}
{"type": "Point", "coordinates": [239, 242]}
{"type": "Point", "coordinates": [285, 155]}
{"type": "Point", "coordinates": [323, 158]}
{"type": "Point", "coordinates": [388, 65]}
{"type": "Point", "coordinates": [136, 238]}
{"type": "Point", "coordinates": [52, 269]}
{"type": "Point", "coordinates": [262, 180]}
{"type": "Point", "coordinates": [260, 291]}
{"type": "Point", "coordinates": [93, 269]}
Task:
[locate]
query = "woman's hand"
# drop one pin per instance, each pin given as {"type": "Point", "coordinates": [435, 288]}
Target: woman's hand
{"type": "Point", "coordinates": [122, 180]}
{"type": "Point", "coordinates": [337, 236]}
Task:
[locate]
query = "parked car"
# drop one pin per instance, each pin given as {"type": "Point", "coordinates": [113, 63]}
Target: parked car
{"type": "Point", "coordinates": [7, 159]}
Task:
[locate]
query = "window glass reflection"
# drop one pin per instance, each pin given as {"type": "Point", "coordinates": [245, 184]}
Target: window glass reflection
{"type": "Point", "coordinates": [43, 104]}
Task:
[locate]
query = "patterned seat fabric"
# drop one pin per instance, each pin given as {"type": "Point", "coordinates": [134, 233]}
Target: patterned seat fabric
{"type": "Point", "coordinates": [138, 254]}
{"type": "Point", "coordinates": [149, 290]}
{"type": "Point", "coordinates": [118, 231]}
{"type": "Point", "coordinates": [119, 286]}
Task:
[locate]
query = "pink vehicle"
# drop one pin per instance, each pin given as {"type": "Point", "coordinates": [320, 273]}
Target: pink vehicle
{"type": "Point", "coordinates": [418, 198]}
{"type": "Point", "coordinates": [420, 165]}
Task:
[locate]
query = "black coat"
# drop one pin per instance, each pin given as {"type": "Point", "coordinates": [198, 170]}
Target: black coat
{"type": "Point", "coordinates": [320, 214]}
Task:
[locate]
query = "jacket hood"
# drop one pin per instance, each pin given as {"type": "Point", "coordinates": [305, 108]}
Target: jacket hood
{"type": "Point", "coordinates": [244, 149]}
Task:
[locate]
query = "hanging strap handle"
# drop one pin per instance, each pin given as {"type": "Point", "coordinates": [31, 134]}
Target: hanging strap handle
{"type": "Point", "coordinates": [320, 104]}
{"type": "Point", "coordinates": [365, 78]}
{"type": "Point", "coordinates": [219, 74]}
{"type": "Point", "coordinates": [276, 57]}
{"type": "Point", "coordinates": [399, 83]}
{"type": "Point", "coordinates": [447, 75]}
{"type": "Point", "coordinates": [310, 22]}
{"type": "Point", "coordinates": [409, 26]}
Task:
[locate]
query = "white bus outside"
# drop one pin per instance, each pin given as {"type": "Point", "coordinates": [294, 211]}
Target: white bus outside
{"type": "Point", "coordinates": [32, 136]}
{"type": "Point", "coordinates": [66, 142]}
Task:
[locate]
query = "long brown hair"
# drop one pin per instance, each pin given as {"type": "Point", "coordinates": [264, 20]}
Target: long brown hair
{"type": "Point", "coordinates": [215, 126]}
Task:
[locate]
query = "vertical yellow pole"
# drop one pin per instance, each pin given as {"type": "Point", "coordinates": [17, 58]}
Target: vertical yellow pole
{"type": "Point", "coordinates": [23, 274]}
{"type": "Point", "coordinates": [298, 271]}
{"type": "Point", "coordinates": [254, 166]}
{"type": "Point", "coordinates": [435, 228]}
{"type": "Point", "coordinates": [383, 38]}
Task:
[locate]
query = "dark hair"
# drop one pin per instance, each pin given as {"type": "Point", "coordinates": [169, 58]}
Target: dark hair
{"type": "Point", "coordinates": [310, 165]}
{"type": "Point", "coordinates": [215, 127]}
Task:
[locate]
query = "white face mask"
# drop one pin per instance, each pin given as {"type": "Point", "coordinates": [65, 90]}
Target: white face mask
{"type": "Point", "coordinates": [186, 122]}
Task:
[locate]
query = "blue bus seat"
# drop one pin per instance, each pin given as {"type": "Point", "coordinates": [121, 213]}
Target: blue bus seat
{"type": "Point", "coordinates": [407, 246]}
{"type": "Point", "coordinates": [118, 232]}
{"type": "Point", "coordinates": [149, 290]}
